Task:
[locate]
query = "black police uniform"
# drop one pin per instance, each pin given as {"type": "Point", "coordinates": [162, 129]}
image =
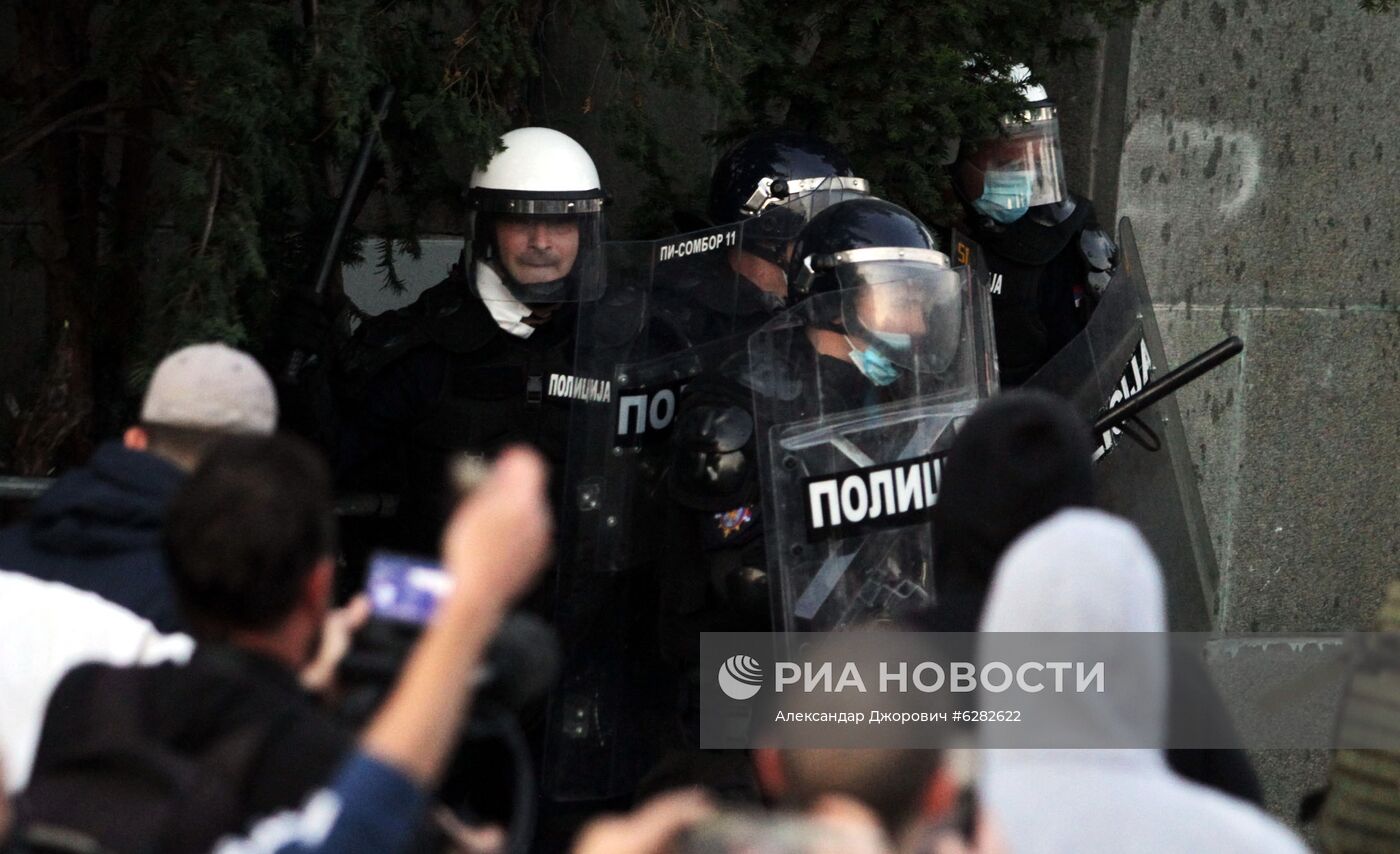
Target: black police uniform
{"type": "Point", "coordinates": [440, 377]}
{"type": "Point", "coordinates": [1045, 270]}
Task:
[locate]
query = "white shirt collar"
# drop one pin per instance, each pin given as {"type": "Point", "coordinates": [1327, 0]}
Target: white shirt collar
{"type": "Point", "coordinates": [506, 310]}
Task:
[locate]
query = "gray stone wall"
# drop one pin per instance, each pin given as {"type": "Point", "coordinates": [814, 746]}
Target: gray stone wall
{"type": "Point", "coordinates": [1254, 166]}
{"type": "Point", "coordinates": [1254, 145]}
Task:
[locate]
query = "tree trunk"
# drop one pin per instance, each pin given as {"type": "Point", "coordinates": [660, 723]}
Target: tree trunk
{"type": "Point", "coordinates": [121, 301]}
{"type": "Point", "coordinates": [55, 427]}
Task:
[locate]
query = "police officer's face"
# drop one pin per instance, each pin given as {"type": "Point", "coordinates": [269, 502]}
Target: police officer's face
{"type": "Point", "coordinates": [537, 249]}
{"type": "Point", "coordinates": [768, 276]}
{"type": "Point", "coordinates": [894, 307]}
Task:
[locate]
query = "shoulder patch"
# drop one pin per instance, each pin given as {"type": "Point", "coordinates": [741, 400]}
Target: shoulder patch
{"type": "Point", "coordinates": [732, 527]}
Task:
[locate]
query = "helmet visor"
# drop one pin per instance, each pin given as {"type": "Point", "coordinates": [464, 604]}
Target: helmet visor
{"type": "Point", "coordinates": [909, 310]}
{"type": "Point", "coordinates": [1024, 168]}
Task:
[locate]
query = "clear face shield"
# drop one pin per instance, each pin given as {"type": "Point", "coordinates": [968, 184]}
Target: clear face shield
{"type": "Point", "coordinates": [908, 308]}
{"type": "Point", "coordinates": [1025, 168]}
{"type": "Point", "coordinates": [543, 251]}
{"type": "Point", "coordinates": [898, 305]}
{"type": "Point", "coordinates": [850, 462]}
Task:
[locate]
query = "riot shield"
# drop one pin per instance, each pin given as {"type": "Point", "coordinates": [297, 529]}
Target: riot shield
{"type": "Point", "coordinates": [851, 459]}
{"type": "Point", "coordinates": [1142, 470]}
{"type": "Point", "coordinates": [673, 308]}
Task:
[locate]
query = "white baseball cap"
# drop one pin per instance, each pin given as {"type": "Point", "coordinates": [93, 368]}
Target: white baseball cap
{"type": "Point", "coordinates": [211, 387]}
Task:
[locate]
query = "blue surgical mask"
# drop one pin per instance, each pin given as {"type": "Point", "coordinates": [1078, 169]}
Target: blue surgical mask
{"type": "Point", "coordinates": [1006, 194]}
{"type": "Point", "coordinates": [899, 342]}
{"type": "Point", "coordinates": [876, 366]}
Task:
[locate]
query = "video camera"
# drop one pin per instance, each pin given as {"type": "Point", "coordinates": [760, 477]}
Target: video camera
{"type": "Point", "coordinates": [520, 666]}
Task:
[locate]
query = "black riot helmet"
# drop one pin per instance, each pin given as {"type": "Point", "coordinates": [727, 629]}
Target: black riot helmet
{"type": "Point", "coordinates": [778, 180]}
{"type": "Point", "coordinates": [840, 229]}
{"type": "Point", "coordinates": [743, 183]}
{"type": "Point", "coordinates": [871, 270]}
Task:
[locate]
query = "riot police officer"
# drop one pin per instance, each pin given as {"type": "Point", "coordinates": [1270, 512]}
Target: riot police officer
{"type": "Point", "coordinates": [777, 180]}
{"type": "Point", "coordinates": [774, 182]}
{"type": "Point", "coordinates": [668, 334]}
{"type": "Point", "coordinates": [482, 359]}
{"type": "Point", "coordinates": [875, 314]}
{"type": "Point", "coordinates": [1046, 254]}
{"type": "Point", "coordinates": [896, 290]}
{"type": "Point", "coordinates": [857, 392]}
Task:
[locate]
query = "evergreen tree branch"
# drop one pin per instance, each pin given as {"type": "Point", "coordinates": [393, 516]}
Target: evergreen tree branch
{"type": "Point", "coordinates": [215, 182]}
{"type": "Point", "coordinates": [42, 107]}
{"type": "Point", "coordinates": [19, 148]}
{"type": "Point", "coordinates": [124, 133]}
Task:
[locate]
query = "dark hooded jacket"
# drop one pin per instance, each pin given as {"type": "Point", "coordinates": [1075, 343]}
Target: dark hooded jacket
{"type": "Point", "coordinates": [1021, 458]}
{"type": "Point", "coordinates": [98, 528]}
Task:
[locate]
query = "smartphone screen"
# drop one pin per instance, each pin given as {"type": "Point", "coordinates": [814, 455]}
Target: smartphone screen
{"type": "Point", "coordinates": [405, 589]}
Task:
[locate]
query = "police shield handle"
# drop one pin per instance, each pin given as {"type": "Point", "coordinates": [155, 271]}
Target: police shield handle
{"type": "Point", "coordinates": [1169, 383]}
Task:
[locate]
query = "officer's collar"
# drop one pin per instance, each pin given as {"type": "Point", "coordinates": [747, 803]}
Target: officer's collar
{"type": "Point", "coordinates": [508, 312]}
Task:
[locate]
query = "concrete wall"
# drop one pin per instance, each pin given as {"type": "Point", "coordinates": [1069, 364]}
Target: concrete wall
{"type": "Point", "coordinates": [1247, 142]}
{"type": "Point", "coordinates": [1254, 145]}
{"type": "Point", "coordinates": [1255, 169]}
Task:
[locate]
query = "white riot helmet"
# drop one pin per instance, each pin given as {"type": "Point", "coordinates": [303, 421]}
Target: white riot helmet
{"type": "Point", "coordinates": [1022, 168]}
{"type": "Point", "coordinates": [536, 214]}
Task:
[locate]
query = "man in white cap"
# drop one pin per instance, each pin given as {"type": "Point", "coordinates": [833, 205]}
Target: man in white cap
{"type": "Point", "coordinates": [98, 528]}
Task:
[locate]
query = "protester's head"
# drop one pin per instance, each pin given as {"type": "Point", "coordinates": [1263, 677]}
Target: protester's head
{"type": "Point", "coordinates": [900, 784]}
{"type": "Point", "coordinates": [250, 541]}
{"type": "Point", "coordinates": [198, 396]}
{"type": "Point", "coordinates": [1021, 457]}
{"type": "Point", "coordinates": [1082, 570]}
{"type": "Point", "coordinates": [1085, 571]}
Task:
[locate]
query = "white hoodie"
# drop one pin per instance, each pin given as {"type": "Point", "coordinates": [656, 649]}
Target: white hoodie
{"type": "Point", "coordinates": [47, 629]}
{"type": "Point", "coordinates": [1087, 571]}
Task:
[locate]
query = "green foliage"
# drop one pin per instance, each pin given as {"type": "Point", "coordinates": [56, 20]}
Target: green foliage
{"type": "Point", "coordinates": [893, 81]}
{"type": "Point", "coordinates": [259, 111]}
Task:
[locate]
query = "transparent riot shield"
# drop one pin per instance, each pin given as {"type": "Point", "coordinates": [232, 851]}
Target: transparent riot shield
{"type": "Point", "coordinates": [1142, 470]}
{"type": "Point", "coordinates": [672, 309]}
{"type": "Point", "coordinates": [851, 458]}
